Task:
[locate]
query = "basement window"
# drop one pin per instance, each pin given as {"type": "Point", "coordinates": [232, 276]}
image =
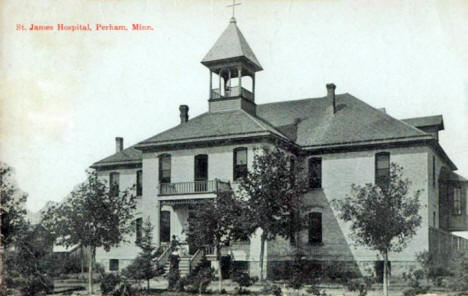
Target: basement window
{"type": "Point", "coordinates": [113, 264]}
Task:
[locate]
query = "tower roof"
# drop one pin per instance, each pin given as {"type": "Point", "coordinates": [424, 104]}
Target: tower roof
{"type": "Point", "coordinates": [231, 45]}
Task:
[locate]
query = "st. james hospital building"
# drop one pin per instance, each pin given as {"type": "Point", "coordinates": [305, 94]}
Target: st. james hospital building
{"type": "Point", "coordinates": [343, 140]}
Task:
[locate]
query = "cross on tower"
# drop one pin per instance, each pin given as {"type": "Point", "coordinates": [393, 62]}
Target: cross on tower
{"type": "Point", "coordinates": [233, 5]}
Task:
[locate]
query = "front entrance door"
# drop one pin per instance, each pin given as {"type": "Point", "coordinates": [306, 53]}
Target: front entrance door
{"type": "Point", "coordinates": [165, 227]}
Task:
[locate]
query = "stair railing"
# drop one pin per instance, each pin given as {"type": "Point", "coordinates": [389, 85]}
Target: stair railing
{"type": "Point", "coordinates": [164, 258]}
{"type": "Point", "coordinates": [196, 259]}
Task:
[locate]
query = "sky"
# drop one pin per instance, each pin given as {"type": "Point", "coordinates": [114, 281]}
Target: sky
{"type": "Point", "coordinates": [65, 96]}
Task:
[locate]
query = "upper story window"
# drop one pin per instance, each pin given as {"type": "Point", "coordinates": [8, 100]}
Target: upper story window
{"type": "Point", "coordinates": [201, 167]}
{"type": "Point", "coordinates": [114, 183]}
{"type": "Point", "coordinates": [138, 230]}
{"type": "Point", "coordinates": [139, 183]}
{"type": "Point", "coordinates": [433, 171]}
{"type": "Point", "coordinates": [457, 201]}
{"type": "Point", "coordinates": [382, 169]}
{"type": "Point", "coordinates": [315, 172]}
{"type": "Point", "coordinates": [165, 168]}
{"type": "Point", "coordinates": [315, 228]}
{"type": "Point", "coordinates": [240, 162]}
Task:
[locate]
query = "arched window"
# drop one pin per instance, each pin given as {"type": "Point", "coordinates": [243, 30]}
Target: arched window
{"type": "Point", "coordinates": [165, 168]}
{"type": "Point", "coordinates": [382, 169]}
{"type": "Point", "coordinates": [315, 172]}
{"type": "Point", "coordinates": [114, 183]}
{"type": "Point", "coordinates": [240, 162]}
{"type": "Point", "coordinates": [139, 183]}
{"type": "Point", "coordinates": [315, 227]}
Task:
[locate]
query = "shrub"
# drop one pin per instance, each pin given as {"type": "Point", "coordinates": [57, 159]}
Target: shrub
{"type": "Point", "coordinates": [113, 284]}
{"type": "Point", "coordinates": [316, 291]}
{"type": "Point", "coordinates": [361, 285]}
{"type": "Point", "coordinates": [200, 277]}
{"type": "Point", "coordinates": [271, 289]}
{"type": "Point", "coordinates": [459, 280]}
{"type": "Point", "coordinates": [243, 280]}
{"type": "Point", "coordinates": [108, 283]}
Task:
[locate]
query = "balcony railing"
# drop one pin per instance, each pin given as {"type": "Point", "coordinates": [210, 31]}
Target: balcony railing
{"type": "Point", "coordinates": [234, 91]}
{"type": "Point", "coordinates": [210, 186]}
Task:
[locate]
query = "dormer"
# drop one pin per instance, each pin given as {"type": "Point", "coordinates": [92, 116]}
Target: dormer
{"type": "Point", "coordinates": [428, 124]}
{"type": "Point", "coordinates": [234, 64]}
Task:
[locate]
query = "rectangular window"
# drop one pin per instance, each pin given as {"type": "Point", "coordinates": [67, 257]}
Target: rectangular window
{"type": "Point", "coordinates": [315, 172]}
{"type": "Point", "coordinates": [382, 169]}
{"type": "Point", "coordinates": [457, 202]}
{"type": "Point", "coordinates": [114, 265]}
{"type": "Point", "coordinates": [114, 183]}
{"type": "Point", "coordinates": [433, 171]}
{"type": "Point", "coordinates": [138, 230]}
{"type": "Point", "coordinates": [240, 163]}
{"type": "Point", "coordinates": [315, 228]}
{"type": "Point", "coordinates": [165, 168]}
{"type": "Point", "coordinates": [139, 183]}
{"type": "Point", "coordinates": [165, 226]}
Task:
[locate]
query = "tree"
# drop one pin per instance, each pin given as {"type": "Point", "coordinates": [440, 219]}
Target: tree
{"type": "Point", "coordinates": [144, 267]}
{"type": "Point", "coordinates": [383, 217]}
{"type": "Point", "coordinates": [216, 223]}
{"type": "Point", "coordinates": [93, 216]}
{"type": "Point", "coordinates": [272, 192]}
{"type": "Point", "coordinates": [12, 211]}
{"type": "Point", "coordinates": [29, 268]}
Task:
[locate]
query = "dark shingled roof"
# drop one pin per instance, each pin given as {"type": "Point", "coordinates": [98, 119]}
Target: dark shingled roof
{"type": "Point", "coordinates": [127, 155]}
{"type": "Point", "coordinates": [308, 123]}
{"type": "Point", "coordinates": [209, 125]}
{"type": "Point", "coordinates": [426, 121]}
{"type": "Point", "coordinates": [354, 121]}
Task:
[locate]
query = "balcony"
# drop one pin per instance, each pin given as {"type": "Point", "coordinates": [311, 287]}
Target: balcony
{"type": "Point", "coordinates": [234, 91]}
{"type": "Point", "coordinates": [196, 187]}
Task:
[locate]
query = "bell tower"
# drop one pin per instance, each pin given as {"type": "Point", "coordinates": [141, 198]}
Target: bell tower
{"type": "Point", "coordinates": [232, 66]}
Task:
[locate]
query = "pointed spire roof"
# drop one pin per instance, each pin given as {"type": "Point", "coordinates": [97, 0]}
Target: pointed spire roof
{"type": "Point", "coordinates": [231, 45]}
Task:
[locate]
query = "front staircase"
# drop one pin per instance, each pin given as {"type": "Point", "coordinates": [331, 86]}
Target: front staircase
{"type": "Point", "coordinates": [186, 262]}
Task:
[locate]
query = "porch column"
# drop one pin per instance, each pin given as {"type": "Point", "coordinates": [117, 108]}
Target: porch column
{"type": "Point", "coordinates": [211, 85]}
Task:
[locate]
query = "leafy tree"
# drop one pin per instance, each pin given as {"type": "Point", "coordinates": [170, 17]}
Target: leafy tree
{"type": "Point", "coordinates": [383, 217]}
{"type": "Point", "coordinates": [217, 222]}
{"type": "Point", "coordinates": [12, 205]}
{"type": "Point", "coordinates": [144, 267]}
{"type": "Point", "coordinates": [28, 266]}
{"type": "Point", "coordinates": [272, 192]}
{"type": "Point", "coordinates": [93, 216]}
{"type": "Point", "coordinates": [12, 211]}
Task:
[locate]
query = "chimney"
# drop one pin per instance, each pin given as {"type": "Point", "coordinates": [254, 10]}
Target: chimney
{"type": "Point", "coordinates": [331, 96]}
{"type": "Point", "coordinates": [183, 113]}
{"type": "Point", "coordinates": [118, 144]}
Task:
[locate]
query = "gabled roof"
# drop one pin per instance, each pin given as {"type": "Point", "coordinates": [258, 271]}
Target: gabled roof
{"type": "Point", "coordinates": [212, 125]}
{"type": "Point", "coordinates": [353, 122]}
{"type": "Point", "coordinates": [230, 45]}
{"type": "Point", "coordinates": [426, 121]}
{"type": "Point", "coordinates": [126, 156]}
